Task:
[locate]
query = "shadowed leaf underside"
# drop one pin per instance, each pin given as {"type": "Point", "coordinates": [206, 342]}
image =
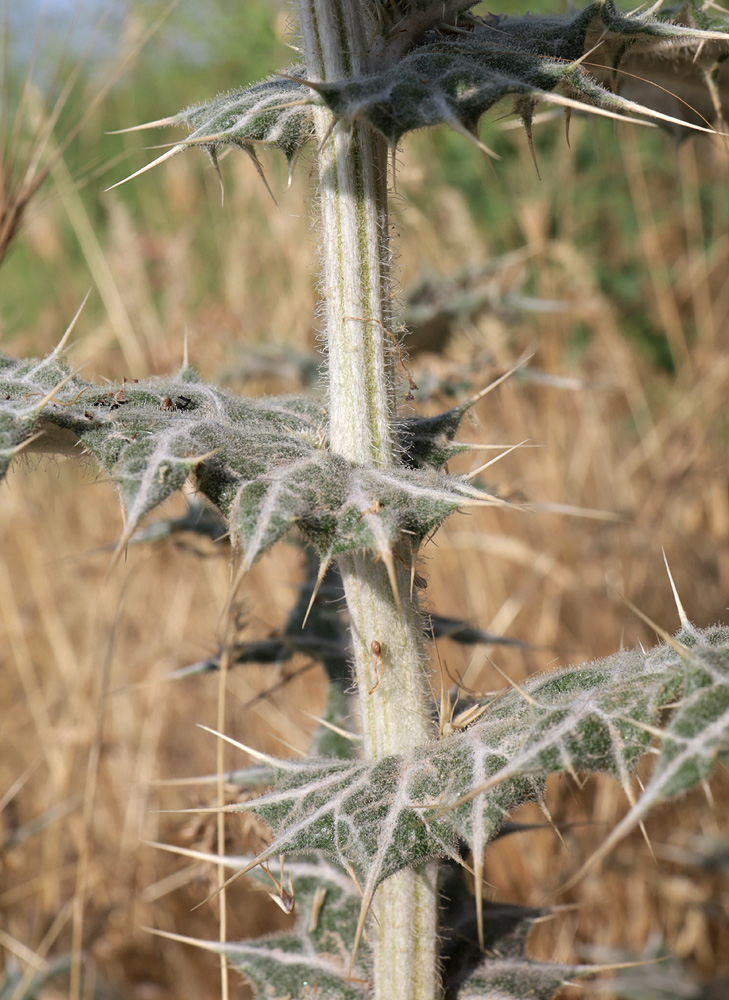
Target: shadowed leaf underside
{"type": "Point", "coordinates": [506, 972]}
{"type": "Point", "coordinates": [666, 64]}
{"type": "Point", "coordinates": [454, 78]}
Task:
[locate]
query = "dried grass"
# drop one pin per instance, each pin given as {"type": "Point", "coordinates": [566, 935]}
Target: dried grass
{"type": "Point", "coordinates": [90, 721]}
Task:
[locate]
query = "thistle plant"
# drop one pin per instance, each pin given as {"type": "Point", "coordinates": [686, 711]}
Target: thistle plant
{"type": "Point", "coordinates": [371, 842]}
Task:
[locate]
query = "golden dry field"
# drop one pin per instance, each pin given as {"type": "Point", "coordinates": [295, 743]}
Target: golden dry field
{"type": "Point", "coordinates": [624, 406]}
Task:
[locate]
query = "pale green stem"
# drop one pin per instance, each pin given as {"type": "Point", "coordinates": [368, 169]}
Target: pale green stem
{"type": "Point", "coordinates": [387, 632]}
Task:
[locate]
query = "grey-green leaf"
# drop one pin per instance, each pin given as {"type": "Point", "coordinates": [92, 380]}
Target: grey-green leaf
{"type": "Point", "coordinates": [600, 717]}
{"type": "Point", "coordinates": [313, 957]}
{"type": "Point", "coordinates": [274, 113]}
{"type": "Point", "coordinates": [454, 78]}
{"type": "Point", "coordinates": [264, 463]}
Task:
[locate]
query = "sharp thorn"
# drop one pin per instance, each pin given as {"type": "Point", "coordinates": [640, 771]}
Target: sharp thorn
{"type": "Point", "coordinates": [481, 468]}
{"type": "Point", "coordinates": [344, 733]}
{"type": "Point", "coordinates": [363, 911]}
{"type": "Point", "coordinates": [684, 652]}
{"type": "Point", "coordinates": [683, 617]}
{"type": "Point", "coordinates": [472, 400]}
{"type": "Point", "coordinates": [323, 567]}
{"type": "Point", "coordinates": [216, 167]}
{"type": "Point", "coordinates": [330, 129]}
{"type": "Point", "coordinates": [160, 123]}
{"type": "Point", "coordinates": [25, 444]}
{"type": "Point", "coordinates": [548, 816]}
{"type": "Point", "coordinates": [525, 109]}
{"type": "Point", "coordinates": [256, 754]}
{"type": "Point", "coordinates": [49, 395]}
{"type": "Point", "coordinates": [593, 109]}
{"type": "Point", "coordinates": [312, 84]}
{"type": "Point", "coordinates": [389, 561]}
{"type": "Point", "coordinates": [62, 342]}
{"type": "Point", "coordinates": [478, 895]}
{"type": "Point", "coordinates": [264, 856]}
{"type": "Point", "coordinates": [160, 159]}
{"type": "Point", "coordinates": [261, 174]}
{"type": "Point", "coordinates": [514, 684]}
{"type": "Point", "coordinates": [185, 350]}
{"type": "Point", "coordinates": [467, 134]}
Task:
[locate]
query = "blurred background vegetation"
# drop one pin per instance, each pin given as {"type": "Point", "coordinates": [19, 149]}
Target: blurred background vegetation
{"type": "Point", "coordinates": [611, 268]}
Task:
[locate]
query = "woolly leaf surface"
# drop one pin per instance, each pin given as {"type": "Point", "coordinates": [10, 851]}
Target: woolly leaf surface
{"type": "Point", "coordinates": [506, 977]}
{"type": "Point", "coordinates": [679, 75]}
{"type": "Point", "coordinates": [599, 717]}
{"type": "Point", "coordinates": [454, 78]}
{"type": "Point", "coordinates": [267, 113]}
{"type": "Point", "coordinates": [311, 959]}
{"type": "Point", "coordinates": [273, 113]}
{"type": "Point", "coordinates": [436, 63]}
{"type": "Point", "coordinates": [697, 736]}
{"type": "Point", "coordinates": [264, 463]}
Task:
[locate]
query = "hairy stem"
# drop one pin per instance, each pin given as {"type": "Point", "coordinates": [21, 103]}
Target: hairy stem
{"type": "Point", "coordinates": [387, 633]}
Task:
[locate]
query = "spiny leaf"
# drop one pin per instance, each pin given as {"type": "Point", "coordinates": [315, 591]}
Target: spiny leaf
{"type": "Point", "coordinates": [510, 975]}
{"type": "Point", "coordinates": [500, 968]}
{"type": "Point", "coordinates": [430, 441]}
{"type": "Point", "coordinates": [312, 959]}
{"type": "Point", "coordinates": [455, 79]}
{"type": "Point", "coordinates": [373, 818]}
{"type": "Point", "coordinates": [600, 717]}
{"type": "Point", "coordinates": [272, 113]}
{"type": "Point", "coordinates": [314, 954]}
{"type": "Point", "coordinates": [433, 71]}
{"type": "Point", "coordinates": [685, 78]}
{"type": "Point", "coordinates": [697, 737]}
{"type": "Point", "coordinates": [507, 972]}
{"type": "Point", "coordinates": [265, 464]}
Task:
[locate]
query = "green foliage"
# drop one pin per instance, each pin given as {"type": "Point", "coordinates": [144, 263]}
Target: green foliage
{"type": "Point", "coordinates": [264, 463]}
{"type": "Point", "coordinates": [312, 959]}
{"type": "Point", "coordinates": [455, 79]}
{"type": "Point", "coordinates": [376, 818]}
{"type": "Point", "coordinates": [456, 71]}
{"type": "Point", "coordinates": [315, 952]}
{"type": "Point", "coordinates": [509, 974]}
{"type": "Point", "coordinates": [267, 113]}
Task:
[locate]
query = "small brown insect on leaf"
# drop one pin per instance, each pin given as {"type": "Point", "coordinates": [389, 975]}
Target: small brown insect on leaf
{"type": "Point", "coordinates": [376, 651]}
{"type": "Point", "coordinates": [112, 400]}
{"type": "Point", "coordinates": [179, 403]}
